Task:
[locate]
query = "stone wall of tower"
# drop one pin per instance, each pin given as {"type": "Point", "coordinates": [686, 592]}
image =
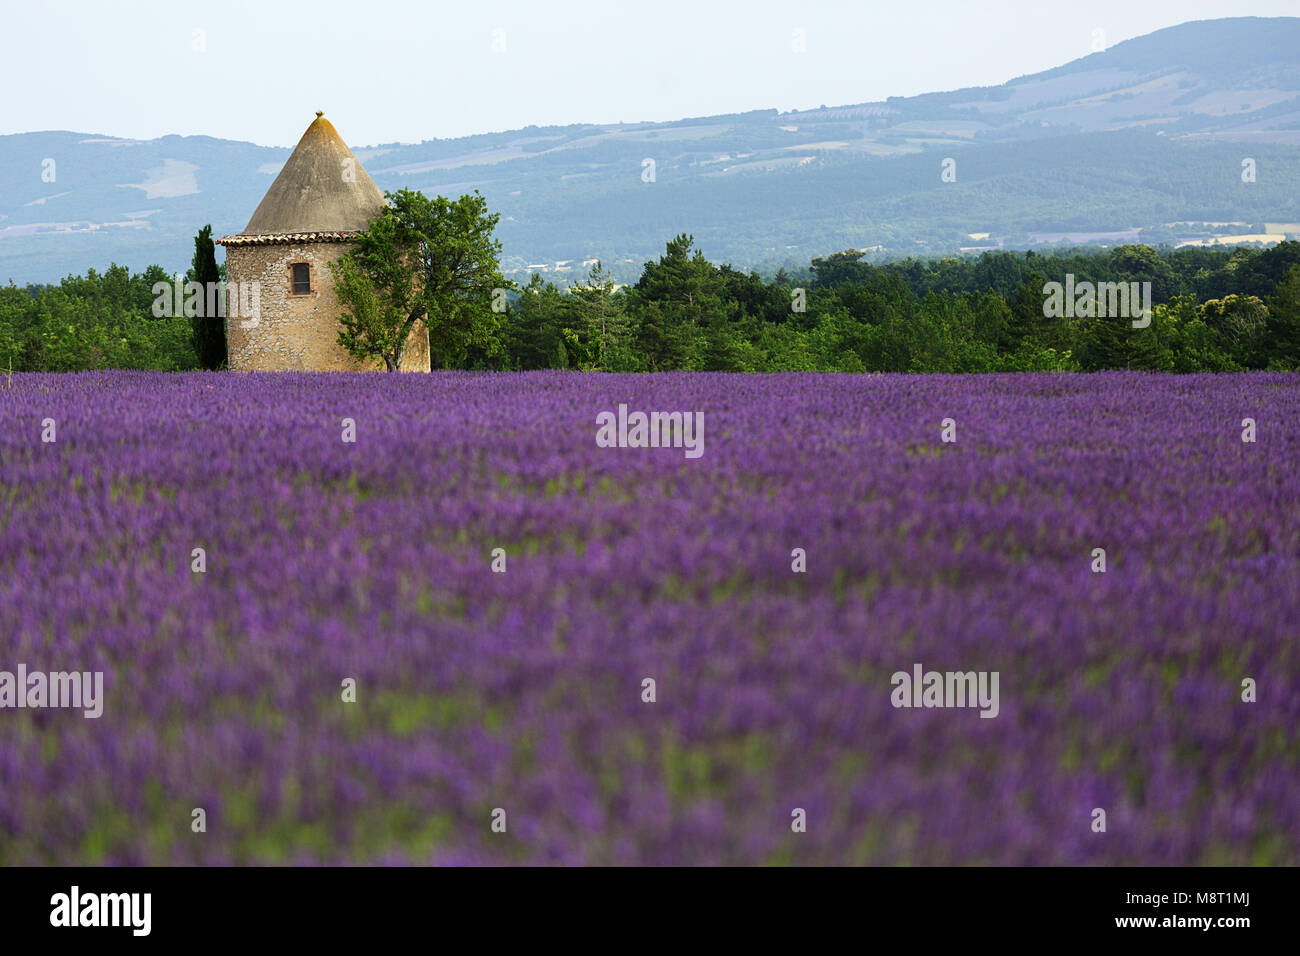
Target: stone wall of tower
{"type": "Point", "coordinates": [298, 332]}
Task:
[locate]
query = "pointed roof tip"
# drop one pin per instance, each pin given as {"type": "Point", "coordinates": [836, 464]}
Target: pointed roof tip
{"type": "Point", "coordinates": [321, 188]}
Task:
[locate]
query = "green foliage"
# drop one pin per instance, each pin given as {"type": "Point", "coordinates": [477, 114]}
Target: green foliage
{"type": "Point", "coordinates": [1281, 344]}
{"type": "Point", "coordinates": [1239, 323]}
{"type": "Point", "coordinates": [599, 331]}
{"type": "Point", "coordinates": [208, 331]}
{"type": "Point", "coordinates": [431, 261]}
{"type": "Point", "coordinates": [94, 321]}
{"type": "Point", "coordinates": [376, 283]}
{"type": "Point", "coordinates": [981, 314]}
{"type": "Point", "coordinates": [686, 285]}
{"type": "Point", "coordinates": [535, 325]}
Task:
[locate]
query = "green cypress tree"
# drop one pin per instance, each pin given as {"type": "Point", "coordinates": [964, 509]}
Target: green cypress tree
{"type": "Point", "coordinates": [209, 331]}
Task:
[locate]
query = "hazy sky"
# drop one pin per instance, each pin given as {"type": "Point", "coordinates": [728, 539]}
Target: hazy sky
{"type": "Point", "coordinates": [386, 72]}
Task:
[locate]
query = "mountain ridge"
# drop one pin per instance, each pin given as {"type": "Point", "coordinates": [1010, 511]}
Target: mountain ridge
{"type": "Point", "coordinates": [1128, 141]}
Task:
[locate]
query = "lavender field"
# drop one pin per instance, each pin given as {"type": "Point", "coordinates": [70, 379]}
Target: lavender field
{"type": "Point", "coordinates": [522, 691]}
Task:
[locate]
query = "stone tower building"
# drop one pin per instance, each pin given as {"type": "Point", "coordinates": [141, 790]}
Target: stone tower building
{"type": "Point", "coordinates": [320, 200]}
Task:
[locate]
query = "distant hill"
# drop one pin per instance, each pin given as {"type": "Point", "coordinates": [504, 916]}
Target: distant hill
{"type": "Point", "coordinates": [1142, 142]}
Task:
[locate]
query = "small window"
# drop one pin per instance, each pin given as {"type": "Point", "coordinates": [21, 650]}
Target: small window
{"type": "Point", "coordinates": [301, 278]}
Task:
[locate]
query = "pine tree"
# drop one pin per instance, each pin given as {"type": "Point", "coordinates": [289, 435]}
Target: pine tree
{"type": "Point", "coordinates": [601, 316]}
{"type": "Point", "coordinates": [1026, 321]}
{"type": "Point", "coordinates": [1282, 331]}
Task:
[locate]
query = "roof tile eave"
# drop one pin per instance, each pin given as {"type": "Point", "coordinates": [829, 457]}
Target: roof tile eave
{"type": "Point", "coordinates": [285, 238]}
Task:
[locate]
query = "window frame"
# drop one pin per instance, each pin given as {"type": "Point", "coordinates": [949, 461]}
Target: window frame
{"type": "Point", "coordinates": [293, 279]}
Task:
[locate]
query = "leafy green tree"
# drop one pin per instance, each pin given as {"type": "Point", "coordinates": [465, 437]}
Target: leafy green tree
{"type": "Point", "coordinates": [841, 268]}
{"type": "Point", "coordinates": [1195, 347]}
{"type": "Point", "coordinates": [1142, 263]}
{"type": "Point", "coordinates": [93, 321]}
{"type": "Point", "coordinates": [1240, 322]}
{"type": "Point", "coordinates": [421, 260]}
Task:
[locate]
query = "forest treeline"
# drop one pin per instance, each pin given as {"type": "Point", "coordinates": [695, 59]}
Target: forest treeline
{"type": "Point", "coordinates": [1214, 310]}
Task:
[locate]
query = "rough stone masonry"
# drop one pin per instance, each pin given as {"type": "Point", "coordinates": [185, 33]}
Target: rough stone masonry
{"type": "Point", "coordinates": [318, 203]}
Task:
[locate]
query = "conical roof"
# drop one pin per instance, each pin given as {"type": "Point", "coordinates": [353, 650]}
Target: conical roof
{"type": "Point", "coordinates": [321, 189]}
